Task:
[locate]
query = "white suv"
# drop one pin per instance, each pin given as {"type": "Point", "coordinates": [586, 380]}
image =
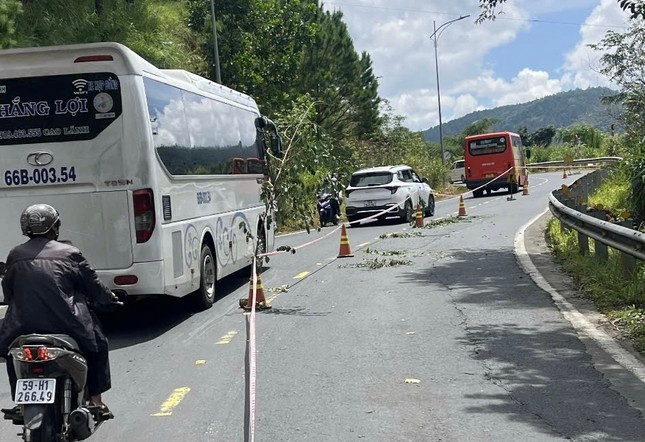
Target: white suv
{"type": "Point", "coordinates": [376, 189]}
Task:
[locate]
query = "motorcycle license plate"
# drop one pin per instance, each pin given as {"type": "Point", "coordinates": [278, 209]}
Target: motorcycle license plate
{"type": "Point", "coordinates": [370, 203]}
{"type": "Point", "coordinates": [35, 391]}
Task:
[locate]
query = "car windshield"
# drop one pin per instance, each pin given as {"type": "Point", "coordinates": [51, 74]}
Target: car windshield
{"type": "Point", "coordinates": [370, 179]}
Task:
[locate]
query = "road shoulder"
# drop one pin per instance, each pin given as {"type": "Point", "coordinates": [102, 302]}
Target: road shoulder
{"type": "Point", "coordinates": [613, 356]}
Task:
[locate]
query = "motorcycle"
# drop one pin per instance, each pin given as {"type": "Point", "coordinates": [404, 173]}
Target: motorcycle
{"type": "Point", "coordinates": [326, 210]}
{"type": "Point", "coordinates": [51, 390]}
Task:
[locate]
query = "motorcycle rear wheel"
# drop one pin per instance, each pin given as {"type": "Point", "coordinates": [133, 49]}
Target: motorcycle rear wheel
{"type": "Point", "coordinates": [48, 429]}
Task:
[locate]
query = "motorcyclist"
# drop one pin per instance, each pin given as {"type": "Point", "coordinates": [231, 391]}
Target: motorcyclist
{"type": "Point", "coordinates": [50, 288]}
{"type": "Point", "coordinates": [333, 187]}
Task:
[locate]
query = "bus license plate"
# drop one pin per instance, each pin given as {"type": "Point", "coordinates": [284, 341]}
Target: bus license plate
{"type": "Point", "coordinates": [370, 203]}
{"type": "Point", "coordinates": [489, 175]}
{"type": "Point", "coordinates": [35, 391]}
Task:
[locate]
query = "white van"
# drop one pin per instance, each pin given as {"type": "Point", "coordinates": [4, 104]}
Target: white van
{"type": "Point", "coordinates": [457, 172]}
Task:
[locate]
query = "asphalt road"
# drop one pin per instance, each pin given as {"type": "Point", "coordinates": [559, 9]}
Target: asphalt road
{"type": "Point", "coordinates": [487, 355]}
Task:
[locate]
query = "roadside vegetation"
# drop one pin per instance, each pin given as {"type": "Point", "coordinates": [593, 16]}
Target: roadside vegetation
{"type": "Point", "coordinates": [621, 299]}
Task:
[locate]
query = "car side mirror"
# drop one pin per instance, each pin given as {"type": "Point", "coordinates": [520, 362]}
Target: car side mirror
{"type": "Point", "coordinates": [425, 180]}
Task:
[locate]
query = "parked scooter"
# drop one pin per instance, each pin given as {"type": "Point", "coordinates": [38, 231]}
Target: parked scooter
{"type": "Point", "coordinates": [51, 390]}
{"type": "Point", "coordinates": [326, 209]}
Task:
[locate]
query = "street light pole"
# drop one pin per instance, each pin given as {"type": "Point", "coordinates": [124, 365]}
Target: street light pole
{"type": "Point", "coordinates": [435, 36]}
{"type": "Point", "coordinates": [218, 77]}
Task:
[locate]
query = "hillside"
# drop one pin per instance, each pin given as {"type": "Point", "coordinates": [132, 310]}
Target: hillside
{"type": "Point", "coordinates": [559, 110]}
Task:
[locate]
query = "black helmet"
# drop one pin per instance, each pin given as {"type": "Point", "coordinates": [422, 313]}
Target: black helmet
{"type": "Point", "coordinates": [38, 219]}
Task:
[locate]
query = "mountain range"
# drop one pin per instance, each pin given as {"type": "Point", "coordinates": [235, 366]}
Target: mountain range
{"type": "Point", "coordinates": [559, 110]}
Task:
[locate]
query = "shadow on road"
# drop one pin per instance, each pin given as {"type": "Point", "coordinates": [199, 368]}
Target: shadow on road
{"type": "Point", "coordinates": [528, 349]}
{"type": "Point", "coordinates": [151, 317]}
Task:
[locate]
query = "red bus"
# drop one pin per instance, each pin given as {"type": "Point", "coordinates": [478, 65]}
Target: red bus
{"type": "Point", "coordinates": [490, 155]}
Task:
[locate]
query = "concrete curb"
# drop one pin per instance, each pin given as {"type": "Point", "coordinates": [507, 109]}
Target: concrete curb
{"type": "Point", "coordinates": [580, 323]}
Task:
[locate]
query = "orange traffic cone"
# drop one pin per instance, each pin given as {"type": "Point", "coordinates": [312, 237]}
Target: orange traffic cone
{"type": "Point", "coordinates": [260, 300]}
{"type": "Point", "coordinates": [525, 189]}
{"type": "Point", "coordinates": [345, 250]}
{"type": "Point", "coordinates": [462, 207]}
{"type": "Point", "coordinates": [564, 173]}
{"type": "Point", "coordinates": [419, 217]}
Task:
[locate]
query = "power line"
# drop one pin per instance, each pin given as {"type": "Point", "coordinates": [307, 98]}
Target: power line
{"type": "Point", "coordinates": [528, 20]}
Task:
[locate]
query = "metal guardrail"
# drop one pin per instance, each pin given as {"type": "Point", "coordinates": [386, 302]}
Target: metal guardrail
{"type": "Point", "coordinates": [567, 205]}
{"type": "Point", "coordinates": [580, 161]}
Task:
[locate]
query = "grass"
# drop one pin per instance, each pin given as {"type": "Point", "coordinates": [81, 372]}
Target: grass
{"type": "Point", "coordinates": [614, 194]}
{"type": "Point", "coordinates": [621, 299]}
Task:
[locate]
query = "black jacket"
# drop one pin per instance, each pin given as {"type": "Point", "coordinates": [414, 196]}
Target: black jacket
{"type": "Point", "coordinates": [50, 288]}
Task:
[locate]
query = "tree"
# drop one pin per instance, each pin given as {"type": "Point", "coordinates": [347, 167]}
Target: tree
{"type": "Point", "coordinates": [542, 136]}
{"type": "Point", "coordinates": [9, 12]}
{"type": "Point", "coordinates": [624, 63]}
{"type": "Point", "coordinates": [341, 83]}
{"type": "Point", "coordinates": [636, 8]}
{"type": "Point", "coordinates": [155, 30]}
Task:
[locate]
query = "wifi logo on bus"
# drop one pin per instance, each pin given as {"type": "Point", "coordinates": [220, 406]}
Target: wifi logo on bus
{"type": "Point", "coordinates": [80, 85]}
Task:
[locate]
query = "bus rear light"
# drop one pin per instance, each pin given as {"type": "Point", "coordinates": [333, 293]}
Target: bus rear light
{"type": "Point", "coordinates": [470, 173]}
{"type": "Point", "coordinates": [91, 58]}
{"type": "Point", "coordinates": [126, 280]}
{"type": "Point", "coordinates": [144, 214]}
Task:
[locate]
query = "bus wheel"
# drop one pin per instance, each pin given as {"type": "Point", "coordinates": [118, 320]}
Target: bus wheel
{"type": "Point", "coordinates": [205, 296]}
{"type": "Point", "coordinates": [478, 193]}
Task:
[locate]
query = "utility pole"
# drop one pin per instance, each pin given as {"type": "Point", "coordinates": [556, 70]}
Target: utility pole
{"type": "Point", "coordinates": [435, 36]}
{"type": "Point", "coordinates": [218, 77]}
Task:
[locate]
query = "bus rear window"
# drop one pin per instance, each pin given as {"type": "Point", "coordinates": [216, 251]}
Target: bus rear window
{"type": "Point", "coordinates": [487, 146]}
{"type": "Point", "coordinates": [58, 108]}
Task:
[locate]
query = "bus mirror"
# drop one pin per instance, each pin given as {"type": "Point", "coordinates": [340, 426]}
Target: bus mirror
{"type": "Point", "coordinates": [528, 153]}
{"type": "Point", "coordinates": [276, 145]}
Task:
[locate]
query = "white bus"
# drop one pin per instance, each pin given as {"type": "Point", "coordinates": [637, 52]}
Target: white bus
{"type": "Point", "coordinates": [152, 170]}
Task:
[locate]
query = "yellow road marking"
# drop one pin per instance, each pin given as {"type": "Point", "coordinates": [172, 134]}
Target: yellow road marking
{"type": "Point", "coordinates": [200, 362]}
{"type": "Point", "coordinates": [412, 381]}
{"type": "Point", "coordinates": [364, 244]}
{"type": "Point", "coordinates": [226, 338]}
{"type": "Point", "coordinates": [301, 275]}
{"type": "Point", "coordinates": [173, 400]}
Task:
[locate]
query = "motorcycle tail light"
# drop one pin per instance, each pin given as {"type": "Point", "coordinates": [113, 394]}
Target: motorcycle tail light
{"type": "Point", "coordinates": [27, 354]}
{"type": "Point", "coordinates": [42, 354]}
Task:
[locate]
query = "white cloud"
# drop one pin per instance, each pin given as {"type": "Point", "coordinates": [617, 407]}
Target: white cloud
{"type": "Point", "coordinates": [582, 66]}
{"type": "Point", "coordinates": [526, 86]}
{"type": "Point", "coordinates": [396, 34]}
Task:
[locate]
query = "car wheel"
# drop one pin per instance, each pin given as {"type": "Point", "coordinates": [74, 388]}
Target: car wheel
{"type": "Point", "coordinates": [205, 296]}
{"type": "Point", "coordinates": [430, 207]}
{"type": "Point", "coordinates": [408, 212]}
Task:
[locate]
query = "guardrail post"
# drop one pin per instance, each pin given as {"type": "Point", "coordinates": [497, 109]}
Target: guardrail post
{"type": "Point", "coordinates": [628, 264]}
{"type": "Point", "coordinates": [601, 251]}
{"type": "Point", "coordinates": [583, 243]}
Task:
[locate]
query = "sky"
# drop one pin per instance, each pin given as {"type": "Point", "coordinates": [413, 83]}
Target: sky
{"type": "Point", "coordinates": [533, 49]}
